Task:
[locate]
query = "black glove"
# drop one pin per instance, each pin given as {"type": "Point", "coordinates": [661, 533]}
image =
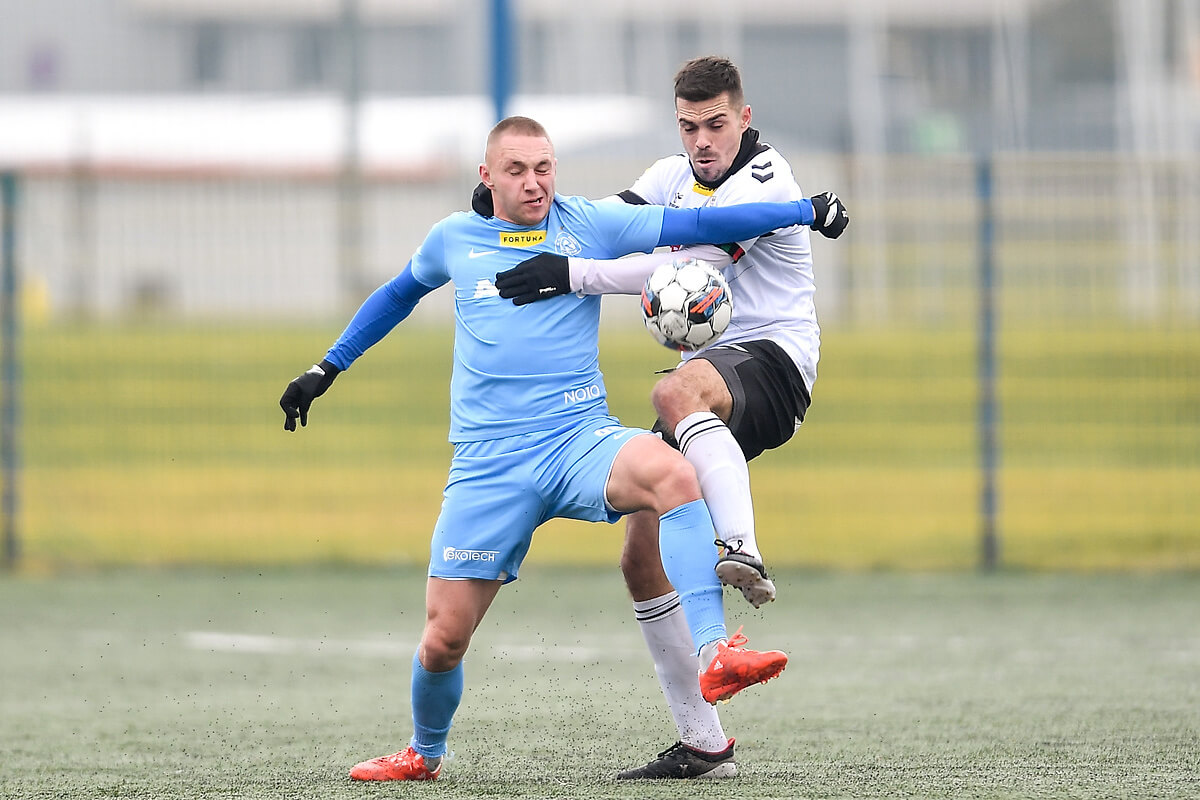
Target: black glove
{"type": "Point", "coordinates": [538, 278]}
{"type": "Point", "coordinates": [481, 201]}
{"type": "Point", "coordinates": [831, 215]}
{"type": "Point", "coordinates": [301, 392]}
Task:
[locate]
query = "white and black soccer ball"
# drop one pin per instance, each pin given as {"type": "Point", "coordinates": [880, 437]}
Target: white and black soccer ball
{"type": "Point", "coordinates": [686, 304]}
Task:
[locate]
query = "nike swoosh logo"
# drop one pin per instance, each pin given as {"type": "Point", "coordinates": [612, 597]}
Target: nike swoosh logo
{"type": "Point", "coordinates": [474, 254]}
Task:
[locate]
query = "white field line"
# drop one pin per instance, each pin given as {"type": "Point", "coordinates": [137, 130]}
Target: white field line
{"type": "Point", "coordinates": [258, 644]}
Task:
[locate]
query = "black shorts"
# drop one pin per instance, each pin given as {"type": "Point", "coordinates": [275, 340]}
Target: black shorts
{"type": "Point", "coordinates": [769, 395]}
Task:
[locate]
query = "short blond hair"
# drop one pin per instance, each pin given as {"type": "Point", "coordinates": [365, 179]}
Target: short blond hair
{"type": "Point", "coordinates": [524, 126]}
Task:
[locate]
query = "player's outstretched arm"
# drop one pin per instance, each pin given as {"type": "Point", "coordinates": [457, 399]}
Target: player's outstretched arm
{"type": "Point", "coordinates": [547, 275]}
{"type": "Point", "coordinates": [830, 216]}
{"type": "Point", "coordinates": [682, 226]}
{"type": "Point", "coordinates": [383, 310]}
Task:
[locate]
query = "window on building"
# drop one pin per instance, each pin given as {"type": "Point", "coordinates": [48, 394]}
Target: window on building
{"type": "Point", "coordinates": [312, 48]}
{"type": "Point", "coordinates": [209, 54]}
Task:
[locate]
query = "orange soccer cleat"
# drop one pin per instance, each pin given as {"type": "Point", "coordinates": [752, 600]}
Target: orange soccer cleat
{"type": "Point", "coordinates": [735, 667]}
{"type": "Point", "coordinates": [407, 765]}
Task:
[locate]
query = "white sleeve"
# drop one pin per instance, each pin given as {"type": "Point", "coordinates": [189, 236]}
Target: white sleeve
{"type": "Point", "coordinates": [628, 275]}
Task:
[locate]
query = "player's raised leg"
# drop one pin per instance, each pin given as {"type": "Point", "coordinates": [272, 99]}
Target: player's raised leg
{"type": "Point", "coordinates": [693, 402]}
{"type": "Point", "coordinates": [453, 609]}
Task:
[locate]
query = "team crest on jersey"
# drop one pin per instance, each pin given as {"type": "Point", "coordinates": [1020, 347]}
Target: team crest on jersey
{"type": "Point", "coordinates": [567, 245]}
{"type": "Point", "coordinates": [678, 201]}
{"type": "Point", "coordinates": [522, 238]}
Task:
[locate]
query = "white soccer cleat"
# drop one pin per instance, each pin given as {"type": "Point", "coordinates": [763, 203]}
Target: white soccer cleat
{"type": "Point", "coordinates": [745, 572]}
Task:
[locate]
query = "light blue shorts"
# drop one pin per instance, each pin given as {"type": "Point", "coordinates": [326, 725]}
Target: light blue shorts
{"type": "Point", "coordinates": [499, 491]}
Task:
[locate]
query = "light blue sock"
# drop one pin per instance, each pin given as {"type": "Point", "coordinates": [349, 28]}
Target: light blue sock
{"type": "Point", "coordinates": [685, 541]}
{"type": "Point", "coordinates": [435, 698]}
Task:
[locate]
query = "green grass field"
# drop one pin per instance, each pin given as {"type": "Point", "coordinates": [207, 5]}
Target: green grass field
{"type": "Point", "coordinates": [271, 684]}
{"type": "Point", "coordinates": [160, 444]}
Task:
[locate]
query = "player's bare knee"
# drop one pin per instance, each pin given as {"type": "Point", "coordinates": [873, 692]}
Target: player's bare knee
{"type": "Point", "coordinates": [670, 398]}
{"type": "Point", "coordinates": [677, 484]}
{"type": "Point", "coordinates": [442, 650]}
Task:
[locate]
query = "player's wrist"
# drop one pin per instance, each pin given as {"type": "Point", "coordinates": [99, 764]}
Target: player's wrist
{"type": "Point", "coordinates": [807, 215]}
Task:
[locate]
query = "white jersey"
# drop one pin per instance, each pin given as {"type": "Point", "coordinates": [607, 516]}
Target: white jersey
{"type": "Point", "coordinates": [771, 277]}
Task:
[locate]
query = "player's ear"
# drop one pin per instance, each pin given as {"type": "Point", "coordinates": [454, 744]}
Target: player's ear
{"type": "Point", "coordinates": [485, 177]}
{"type": "Point", "coordinates": [746, 115]}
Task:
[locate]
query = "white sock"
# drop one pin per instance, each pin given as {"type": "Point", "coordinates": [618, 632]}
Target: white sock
{"type": "Point", "coordinates": [670, 642]}
{"type": "Point", "coordinates": [708, 653]}
{"type": "Point", "coordinates": [708, 445]}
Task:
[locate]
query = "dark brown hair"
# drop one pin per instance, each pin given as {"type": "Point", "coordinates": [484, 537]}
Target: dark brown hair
{"type": "Point", "coordinates": [706, 77]}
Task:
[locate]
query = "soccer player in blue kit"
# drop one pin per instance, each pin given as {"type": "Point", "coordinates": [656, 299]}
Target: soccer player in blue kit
{"type": "Point", "coordinates": [529, 420]}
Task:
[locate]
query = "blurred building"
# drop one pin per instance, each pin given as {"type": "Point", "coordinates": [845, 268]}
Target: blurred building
{"type": "Point", "coordinates": [175, 148]}
{"type": "Point", "coordinates": [857, 75]}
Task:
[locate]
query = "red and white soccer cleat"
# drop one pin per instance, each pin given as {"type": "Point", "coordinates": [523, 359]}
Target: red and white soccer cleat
{"type": "Point", "coordinates": [407, 765]}
{"type": "Point", "coordinates": [735, 667]}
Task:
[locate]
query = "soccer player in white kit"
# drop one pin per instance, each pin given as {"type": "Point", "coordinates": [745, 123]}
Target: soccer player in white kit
{"type": "Point", "coordinates": [726, 404]}
{"type": "Point", "coordinates": [530, 425]}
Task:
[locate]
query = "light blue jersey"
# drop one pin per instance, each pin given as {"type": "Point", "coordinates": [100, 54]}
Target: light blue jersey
{"type": "Point", "coordinates": [528, 408]}
{"type": "Point", "coordinates": [519, 369]}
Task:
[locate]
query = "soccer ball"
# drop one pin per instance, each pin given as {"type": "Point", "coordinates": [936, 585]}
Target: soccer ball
{"type": "Point", "coordinates": [686, 304]}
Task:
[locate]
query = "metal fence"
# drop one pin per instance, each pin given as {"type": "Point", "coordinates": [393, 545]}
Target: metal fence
{"type": "Point", "coordinates": [1095, 348]}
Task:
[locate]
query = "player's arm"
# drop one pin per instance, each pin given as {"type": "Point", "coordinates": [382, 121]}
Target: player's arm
{"type": "Point", "coordinates": [628, 275]}
{"type": "Point", "coordinates": [549, 275]}
{"type": "Point", "coordinates": [830, 216]}
{"type": "Point", "coordinates": [387, 306]}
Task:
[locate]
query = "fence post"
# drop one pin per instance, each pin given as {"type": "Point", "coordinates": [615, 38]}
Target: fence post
{"type": "Point", "coordinates": [9, 367]}
{"type": "Point", "coordinates": [987, 421]}
{"type": "Point", "coordinates": [500, 72]}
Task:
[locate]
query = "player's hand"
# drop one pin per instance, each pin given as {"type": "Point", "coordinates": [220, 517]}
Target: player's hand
{"type": "Point", "coordinates": [544, 276]}
{"type": "Point", "coordinates": [301, 392]}
{"type": "Point", "coordinates": [831, 214]}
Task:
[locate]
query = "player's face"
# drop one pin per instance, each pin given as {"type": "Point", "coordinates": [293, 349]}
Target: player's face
{"type": "Point", "coordinates": [520, 169]}
{"type": "Point", "coordinates": [711, 131]}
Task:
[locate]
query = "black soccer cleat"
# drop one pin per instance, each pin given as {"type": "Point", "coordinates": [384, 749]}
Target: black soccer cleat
{"type": "Point", "coordinates": [681, 761]}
